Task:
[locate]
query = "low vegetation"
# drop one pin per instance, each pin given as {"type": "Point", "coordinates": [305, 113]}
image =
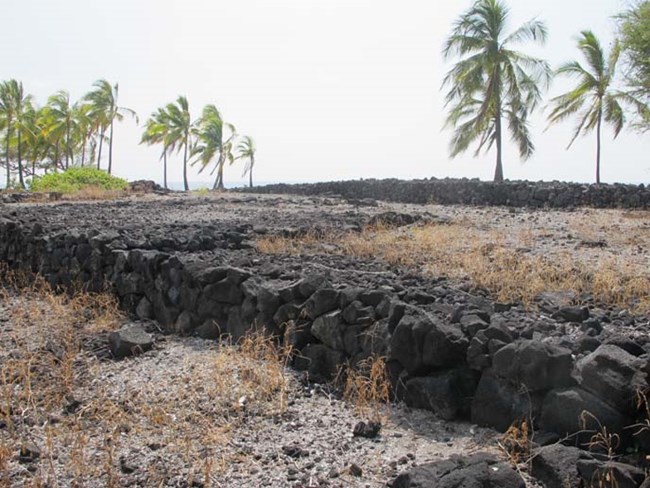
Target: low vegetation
{"type": "Point", "coordinates": [76, 180]}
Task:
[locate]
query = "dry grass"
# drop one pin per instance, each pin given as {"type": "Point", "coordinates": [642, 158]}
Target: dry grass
{"type": "Point", "coordinates": [252, 375]}
{"type": "Point", "coordinates": [85, 414]}
{"type": "Point", "coordinates": [367, 386]}
{"type": "Point", "coordinates": [507, 265]}
{"type": "Point", "coordinates": [94, 193]}
{"type": "Point", "coordinates": [516, 442]}
{"type": "Point", "coordinates": [604, 442]}
{"type": "Point", "coordinates": [89, 193]}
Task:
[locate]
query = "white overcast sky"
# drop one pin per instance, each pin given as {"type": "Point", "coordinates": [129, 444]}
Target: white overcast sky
{"type": "Point", "coordinates": [329, 89]}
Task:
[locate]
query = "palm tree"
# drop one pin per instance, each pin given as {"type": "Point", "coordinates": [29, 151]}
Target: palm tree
{"type": "Point", "coordinates": [13, 106]}
{"type": "Point", "coordinates": [491, 81]}
{"type": "Point", "coordinates": [7, 111]}
{"type": "Point", "coordinates": [60, 113]}
{"type": "Point", "coordinates": [593, 97]}
{"type": "Point", "coordinates": [210, 142]}
{"type": "Point", "coordinates": [82, 114]}
{"type": "Point", "coordinates": [36, 145]}
{"type": "Point", "coordinates": [246, 150]}
{"type": "Point", "coordinates": [178, 121]}
{"type": "Point", "coordinates": [225, 154]}
{"type": "Point", "coordinates": [157, 131]}
{"type": "Point", "coordinates": [105, 111]}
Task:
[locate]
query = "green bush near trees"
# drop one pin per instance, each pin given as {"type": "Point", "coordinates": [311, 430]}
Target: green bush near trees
{"type": "Point", "coordinates": [76, 179]}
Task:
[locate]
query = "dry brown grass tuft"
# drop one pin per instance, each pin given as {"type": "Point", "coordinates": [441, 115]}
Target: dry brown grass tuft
{"type": "Point", "coordinates": [506, 266]}
{"type": "Point", "coordinates": [516, 442]}
{"type": "Point", "coordinates": [87, 193]}
{"type": "Point", "coordinates": [603, 442]}
{"type": "Point", "coordinates": [252, 375]}
{"type": "Point", "coordinates": [96, 193]}
{"type": "Point", "coordinates": [637, 215]}
{"type": "Point", "coordinates": [367, 386]}
{"type": "Point", "coordinates": [274, 244]}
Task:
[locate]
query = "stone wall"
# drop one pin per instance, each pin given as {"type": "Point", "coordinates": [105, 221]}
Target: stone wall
{"type": "Point", "coordinates": [475, 192]}
{"type": "Point", "coordinates": [459, 355]}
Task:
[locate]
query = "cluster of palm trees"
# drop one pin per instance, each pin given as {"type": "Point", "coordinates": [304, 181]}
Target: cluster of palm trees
{"type": "Point", "coordinates": [208, 141]}
{"type": "Point", "coordinates": [59, 134]}
{"type": "Point", "coordinates": [494, 88]}
{"type": "Point", "coordinates": [63, 133]}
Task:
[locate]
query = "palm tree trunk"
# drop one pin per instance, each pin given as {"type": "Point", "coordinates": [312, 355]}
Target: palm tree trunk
{"type": "Point", "coordinates": [20, 162]}
{"type": "Point", "coordinates": [7, 152]}
{"type": "Point", "coordinates": [110, 150]}
{"type": "Point", "coordinates": [56, 157]}
{"type": "Point", "coordinates": [165, 168]}
{"type": "Point", "coordinates": [498, 173]}
{"type": "Point", "coordinates": [600, 120]}
{"type": "Point", "coordinates": [186, 185]}
{"type": "Point", "coordinates": [67, 144]}
{"type": "Point", "coordinates": [250, 173]}
{"type": "Point", "coordinates": [220, 176]}
{"type": "Point", "coordinates": [218, 182]}
{"type": "Point", "coordinates": [99, 154]}
{"type": "Point", "coordinates": [83, 150]}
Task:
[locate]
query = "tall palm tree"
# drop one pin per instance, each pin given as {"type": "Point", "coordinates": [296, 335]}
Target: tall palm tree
{"type": "Point", "coordinates": [178, 121]}
{"type": "Point", "coordinates": [60, 113]}
{"type": "Point", "coordinates": [36, 145]}
{"type": "Point", "coordinates": [491, 81]}
{"type": "Point", "coordinates": [210, 142]}
{"type": "Point", "coordinates": [246, 150]}
{"type": "Point", "coordinates": [82, 114]}
{"type": "Point", "coordinates": [13, 106]}
{"type": "Point", "coordinates": [157, 131]}
{"type": "Point", "coordinates": [593, 98]}
{"type": "Point", "coordinates": [8, 113]}
{"type": "Point", "coordinates": [105, 111]}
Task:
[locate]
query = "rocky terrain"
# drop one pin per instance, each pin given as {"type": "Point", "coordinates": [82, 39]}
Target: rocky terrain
{"type": "Point", "coordinates": [530, 322]}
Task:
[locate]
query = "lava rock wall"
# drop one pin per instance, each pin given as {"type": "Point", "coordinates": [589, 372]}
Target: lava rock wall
{"type": "Point", "coordinates": [475, 361]}
{"type": "Point", "coordinates": [475, 192]}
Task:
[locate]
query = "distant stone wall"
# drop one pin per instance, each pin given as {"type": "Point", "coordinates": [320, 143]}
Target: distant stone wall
{"type": "Point", "coordinates": [475, 192]}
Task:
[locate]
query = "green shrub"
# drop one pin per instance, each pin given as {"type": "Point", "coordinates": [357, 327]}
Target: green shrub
{"type": "Point", "coordinates": [76, 179]}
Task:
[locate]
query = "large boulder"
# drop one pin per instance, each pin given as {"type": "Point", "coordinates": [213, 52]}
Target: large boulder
{"type": "Point", "coordinates": [614, 375]}
{"type": "Point", "coordinates": [535, 365]}
{"type": "Point", "coordinates": [130, 340]}
{"type": "Point", "coordinates": [574, 411]}
{"type": "Point", "coordinates": [421, 341]}
{"type": "Point", "coordinates": [555, 466]}
{"type": "Point", "coordinates": [609, 474]}
{"type": "Point", "coordinates": [498, 403]}
{"type": "Point", "coordinates": [308, 285]}
{"type": "Point", "coordinates": [322, 301]}
{"type": "Point", "coordinates": [321, 362]}
{"type": "Point", "coordinates": [448, 394]}
{"type": "Point", "coordinates": [268, 302]}
{"type": "Point", "coordinates": [330, 330]}
{"type": "Point", "coordinates": [480, 470]}
{"type": "Point", "coordinates": [224, 291]}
